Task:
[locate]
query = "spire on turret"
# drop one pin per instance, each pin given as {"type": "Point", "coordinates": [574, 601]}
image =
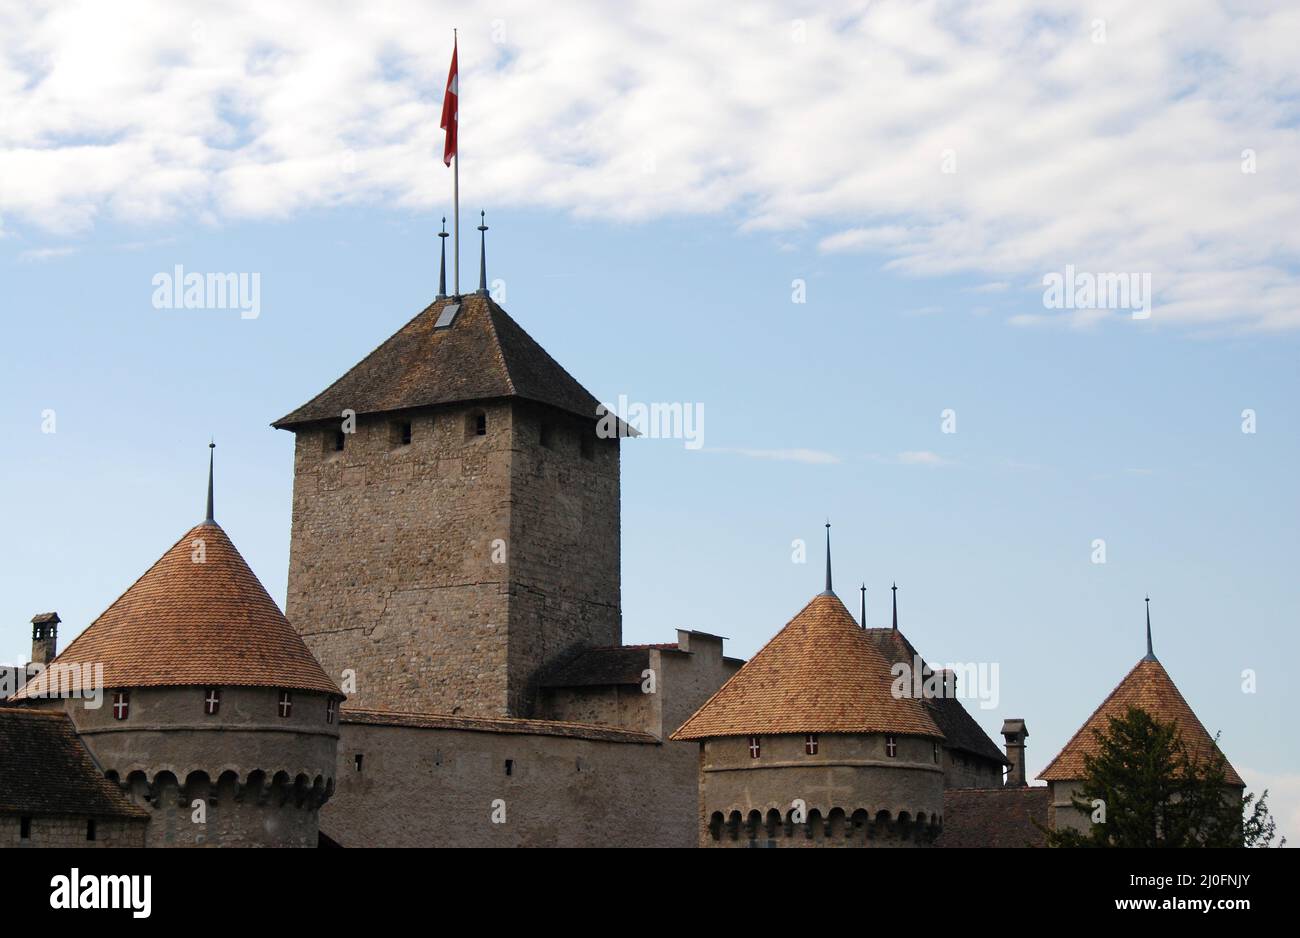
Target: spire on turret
{"type": "Point", "coordinates": [482, 253]}
{"type": "Point", "coordinates": [211, 447]}
{"type": "Point", "coordinates": [895, 589]}
{"type": "Point", "coordinates": [1151, 655]}
{"type": "Point", "coordinates": [863, 588]}
{"type": "Point", "coordinates": [828, 558]}
{"type": "Point", "coordinates": [442, 264]}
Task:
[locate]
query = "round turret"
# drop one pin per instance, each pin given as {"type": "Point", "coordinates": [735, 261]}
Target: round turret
{"type": "Point", "coordinates": [196, 695]}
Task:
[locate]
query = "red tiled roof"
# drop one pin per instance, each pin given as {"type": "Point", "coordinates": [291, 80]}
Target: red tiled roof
{"type": "Point", "coordinates": [185, 623]}
{"type": "Point", "coordinates": [1149, 687]}
{"type": "Point", "coordinates": [819, 674]}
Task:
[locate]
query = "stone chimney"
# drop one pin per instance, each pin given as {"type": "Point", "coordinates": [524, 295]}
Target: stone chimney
{"type": "Point", "coordinates": [1015, 734]}
{"type": "Point", "coordinates": [45, 637]}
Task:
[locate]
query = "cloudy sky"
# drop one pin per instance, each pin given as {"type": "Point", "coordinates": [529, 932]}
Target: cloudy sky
{"type": "Point", "coordinates": [828, 225]}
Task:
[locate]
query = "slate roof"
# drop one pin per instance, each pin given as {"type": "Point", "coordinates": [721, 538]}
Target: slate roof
{"type": "Point", "coordinates": [46, 770]}
{"type": "Point", "coordinates": [960, 731]}
{"type": "Point", "coordinates": [592, 667]}
{"type": "Point", "coordinates": [995, 817]}
{"type": "Point", "coordinates": [509, 725]}
{"type": "Point", "coordinates": [1149, 687]}
{"type": "Point", "coordinates": [185, 623]}
{"type": "Point", "coordinates": [819, 674]}
{"type": "Point", "coordinates": [483, 355]}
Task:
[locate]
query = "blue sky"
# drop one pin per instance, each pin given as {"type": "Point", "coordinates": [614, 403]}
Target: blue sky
{"type": "Point", "coordinates": [1069, 427]}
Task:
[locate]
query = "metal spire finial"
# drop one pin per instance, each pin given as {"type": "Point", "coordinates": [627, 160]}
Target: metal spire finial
{"type": "Point", "coordinates": [482, 253]}
{"type": "Point", "coordinates": [1151, 655]}
{"type": "Point", "coordinates": [442, 264]}
{"type": "Point", "coordinates": [895, 589]}
{"type": "Point", "coordinates": [828, 556]}
{"type": "Point", "coordinates": [211, 447]}
{"type": "Point", "coordinates": [864, 604]}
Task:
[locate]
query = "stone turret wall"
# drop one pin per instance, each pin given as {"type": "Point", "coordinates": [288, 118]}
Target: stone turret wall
{"type": "Point", "coordinates": [261, 778]}
{"type": "Point", "coordinates": [851, 792]}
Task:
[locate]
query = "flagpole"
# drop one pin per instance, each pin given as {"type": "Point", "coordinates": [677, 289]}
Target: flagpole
{"type": "Point", "coordinates": [455, 170]}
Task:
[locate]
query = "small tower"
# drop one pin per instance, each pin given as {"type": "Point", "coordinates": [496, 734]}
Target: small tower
{"type": "Point", "coordinates": [807, 744]}
{"type": "Point", "coordinates": [193, 689]}
{"type": "Point", "coordinates": [45, 637]}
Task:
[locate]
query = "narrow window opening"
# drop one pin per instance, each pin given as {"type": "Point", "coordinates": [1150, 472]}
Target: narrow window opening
{"type": "Point", "coordinates": [891, 746]}
{"type": "Point", "coordinates": [480, 425]}
{"type": "Point", "coordinates": [90, 829]}
{"type": "Point", "coordinates": [121, 704]}
{"type": "Point", "coordinates": [399, 433]}
{"type": "Point", "coordinates": [755, 748]}
{"type": "Point", "coordinates": [510, 766]}
{"type": "Point", "coordinates": [331, 706]}
{"type": "Point", "coordinates": [25, 828]}
{"type": "Point", "coordinates": [810, 744]}
{"type": "Point", "coordinates": [211, 701]}
{"type": "Point", "coordinates": [356, 761]}
{"type": "Point", "coordinates": [340, 440]}
{"type": "Point", "coordinates": [286, 704]}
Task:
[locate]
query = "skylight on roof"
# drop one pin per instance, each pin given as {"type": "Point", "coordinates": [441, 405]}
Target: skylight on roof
{"type": "Point", "coordinates": [447, 316]}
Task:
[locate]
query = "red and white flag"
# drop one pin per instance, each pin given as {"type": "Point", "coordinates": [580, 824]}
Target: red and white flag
{"type": "Point", "coordinates": [449, 111]}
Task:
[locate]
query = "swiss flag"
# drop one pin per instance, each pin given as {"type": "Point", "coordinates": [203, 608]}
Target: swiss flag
{"type": "Point", "coordinates": [449, 111]}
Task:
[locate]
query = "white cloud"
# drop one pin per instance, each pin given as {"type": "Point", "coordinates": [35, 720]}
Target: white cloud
{"type": "Point", "coordinates": [1120, 156]}
{"type": "Point", "coordinates": [809, 456]}
{"type": "Point", "coordinates": [45, 254]}
{"type": "Point", "coordinates": [920, 457]}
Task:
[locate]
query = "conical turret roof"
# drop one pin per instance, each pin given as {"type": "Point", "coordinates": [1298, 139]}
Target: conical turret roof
{"type": "Point", "coordinates": [197, 616]}
{"type": "Point", "coordinates": [819, 674]}
{"type": "Point", "coordinates": [1149, 687]}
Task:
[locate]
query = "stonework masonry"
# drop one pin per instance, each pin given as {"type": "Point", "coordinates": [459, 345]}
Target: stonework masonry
{"type": "Point", "coordinates": [565, 786]}
{"type": "Point", "coordinates": [853, 793]}
{"type": "Point", "coordinates": [70, 832]}
{"type": "Point", "coordinates": [447, 571]}
{"type": "Point", "coordinates": [260, 777]}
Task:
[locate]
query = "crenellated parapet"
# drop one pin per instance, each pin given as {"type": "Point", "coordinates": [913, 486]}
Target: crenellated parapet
{"type": "Point", "coordinates": [836, 827]}
{"type": "Point", "coordinates": [260, 809]}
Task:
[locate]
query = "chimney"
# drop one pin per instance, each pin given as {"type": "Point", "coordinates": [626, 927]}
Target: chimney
{"type": "Point", "coordinates": [1015, 734]}
{"type": "Point", "coordinates": [45, 637]}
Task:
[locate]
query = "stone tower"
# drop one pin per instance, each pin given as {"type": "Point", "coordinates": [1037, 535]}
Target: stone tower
{"type": "Point", "coordinates": [455, 518]}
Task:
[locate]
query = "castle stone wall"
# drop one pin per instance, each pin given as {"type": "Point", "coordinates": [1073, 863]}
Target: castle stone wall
{"type": "Point", "coordinates": [421, 787]}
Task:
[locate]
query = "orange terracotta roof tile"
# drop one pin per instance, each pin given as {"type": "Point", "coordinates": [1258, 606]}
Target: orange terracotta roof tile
{"type": "Point", "coordinates": [185, 623]}
{"type": "Point", "coordinates": [1149, 687]}
{"type": "Point", "coordinates": [819, 674]}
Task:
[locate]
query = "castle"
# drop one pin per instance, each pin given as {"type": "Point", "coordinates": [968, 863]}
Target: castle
{"type": "Point", "coordinates": [449, 668]}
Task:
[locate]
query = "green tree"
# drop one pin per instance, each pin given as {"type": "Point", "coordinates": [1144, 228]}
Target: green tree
{"type": "Point", "coordinates": [1156, 793]}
